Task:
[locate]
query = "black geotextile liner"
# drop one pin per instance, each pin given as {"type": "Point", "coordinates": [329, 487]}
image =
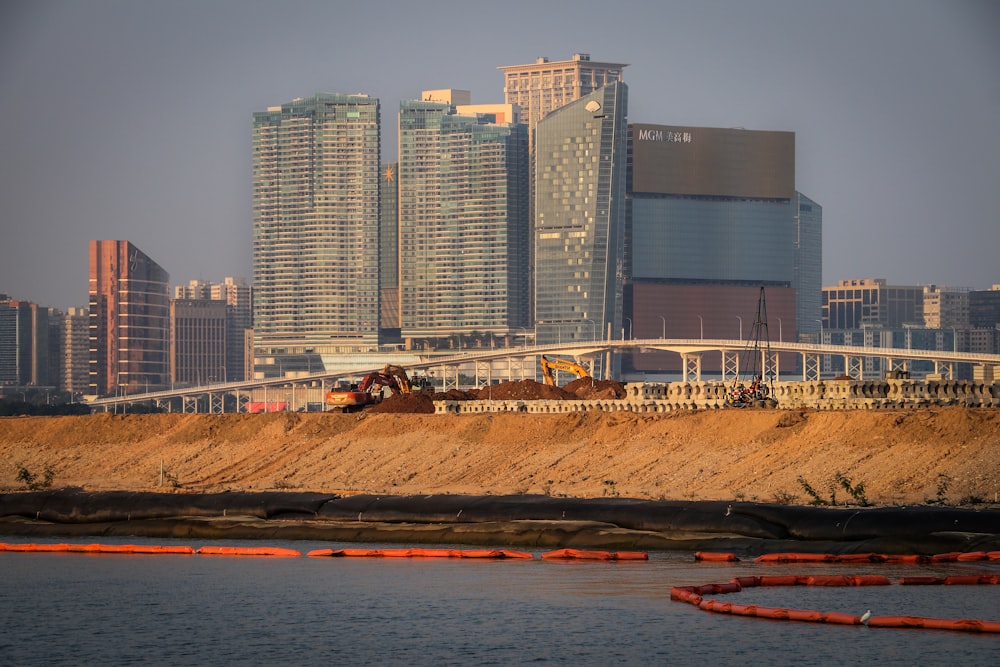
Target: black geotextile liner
{"type": "Point", "coordinates": [77, 506]}
{"type": "Point", "coordinates": [674, 518]}
{"type": "Point", "coordinates": [659, 516]}
{"type": "Point", "coordinates": [746, 519]}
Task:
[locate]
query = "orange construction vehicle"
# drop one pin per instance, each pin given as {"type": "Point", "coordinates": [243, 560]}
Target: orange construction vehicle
{"type": "Point", "coordinates": [554, 364]}
{"type": "Point", "coordinates": [369, 390]}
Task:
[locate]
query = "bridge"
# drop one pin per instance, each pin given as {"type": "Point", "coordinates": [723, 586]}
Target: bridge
{"type": "Point", "coordinates": [487, 365]}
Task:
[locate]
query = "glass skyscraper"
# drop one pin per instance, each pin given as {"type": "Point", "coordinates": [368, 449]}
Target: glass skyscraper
{"type": "Point", "coordinates": [316, 223]}
{"type": "Point", "coordinates": [463, 221]}
{"type": "Point", "coordinates": [580, 217]}
{"type": "Point", "coordinates": [129, 320]}
{"type": "Point", "coordinates": [714, 217]}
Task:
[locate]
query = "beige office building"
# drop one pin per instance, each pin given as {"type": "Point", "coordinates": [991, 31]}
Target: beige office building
{"type": "Point", "coordinates": [543, 86]}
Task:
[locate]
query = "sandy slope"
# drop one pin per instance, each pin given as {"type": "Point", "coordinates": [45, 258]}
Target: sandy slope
{"type": "Point", "coordinates": [904, 456]}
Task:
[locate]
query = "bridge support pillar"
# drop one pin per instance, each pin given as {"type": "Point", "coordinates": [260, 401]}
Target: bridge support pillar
{"type": "Point", "coordinates": [810, 367]}
{"type": "Point", "coordinates": [730, 365]}
{"type": "Point", "coordinates": [897, 364]}
{"type": "Point", "coordinates": [692, 366]}
{"type": "Point", "coordinates": [854, 367]}
{"type": "Point", "coordinates": [945, 369]}
{"type": "Point", "coordinates": [771, 366]}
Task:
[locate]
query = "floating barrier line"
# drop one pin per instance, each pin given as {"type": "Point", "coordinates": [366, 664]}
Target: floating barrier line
{"type": "Point", "coordinates": [695, 595]}
{"type": "Point", "coordinates": [421, 553]}
{"type": "Point", "coordinates": [144, 549]}
{"type": "Point", "coordinates": [950, 557]}
{"type": "Point", "coordinates": [147, 549]}
{"type": "Point", "coordinates": [248, 551]}
{"type": "Point", "coordinates": [496, 554]}
{"type": "Point", "coordinates": [580, 554]}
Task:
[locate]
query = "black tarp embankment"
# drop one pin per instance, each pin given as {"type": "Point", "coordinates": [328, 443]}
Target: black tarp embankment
{"type": "Point", "coordinates": [563, 518]}
{"type": "Point", "coordinates": [77, 506]}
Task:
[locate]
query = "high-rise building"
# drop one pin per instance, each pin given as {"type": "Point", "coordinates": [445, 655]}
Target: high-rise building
{"type": "Point", "coordinates": [195, 289]}
{"type": "Point", "coordinates": [984, 308]}
{"type": "Point", "coordinates": [316, 223]}
{"type": "Point", "coordinates": [238, 297]}
{"type": "Point", "coordinates": [129, 320]}
{"type": "Point", "coordinates": [580, 217]}
{"type": "Point", "coordinates": [714, 217]}
{"type": "Point", "coordinates": [946, 307]}
{"type": "Point", "coordinates": [197, 341]}
{"type": "Point", "coordinates": [54, 355]}
{"type": "Point", "coordinates": [75, 355]}
{"type": "Point", "coordinates": [24, 343]}
{"type": "Point", "coordinates": [541, 87]}
{"type": "Point", "coordinates": [463, 218]}
{"type": "Point", "coordinates": [389, 253]}
{"type": "Point", "coordinates": [869, 302]}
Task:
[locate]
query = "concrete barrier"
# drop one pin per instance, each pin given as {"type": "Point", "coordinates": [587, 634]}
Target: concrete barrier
{"type": "Point", "coordinates": [648, 397]}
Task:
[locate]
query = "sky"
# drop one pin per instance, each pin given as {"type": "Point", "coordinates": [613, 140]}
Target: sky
{"type": "Point", "coordinates": [132, 119]}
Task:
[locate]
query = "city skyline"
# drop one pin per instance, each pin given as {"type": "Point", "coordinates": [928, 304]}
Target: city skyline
{"type": "Point", "coordinates": [131, 121]}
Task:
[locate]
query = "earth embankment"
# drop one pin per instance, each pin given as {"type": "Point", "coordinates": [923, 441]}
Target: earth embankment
{"type": "Point", "coordinates": [936, 456]}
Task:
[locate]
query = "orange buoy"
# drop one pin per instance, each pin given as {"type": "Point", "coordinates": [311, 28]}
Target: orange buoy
{"type": "Point", "coordinates": [868, 580]}
{"type": "Point", "coordinates": [841, 618]}
{"type": "Point", "coordinates": [747, 582]}
{"type": "Point", "coordinates": [779, 580]}
{"type": "Point", "coordinates": [921, 581]}
{"type": "Point", "coordinates": [896, 622]}
{"type": "Point", "coordinates": [950, 557]}
{"type": "Point", "coordinates": [907, 558]}
{"type": "Point", "coordinates": [793, 558]}
{"type": "Point", "coordinates": [576, 554]}
{"type": "Point", "coordinates": [715, 557]}
{"type": "Point", "coordinates": [247, 551]}
{"type": "Point", "coordinates": [827, 580]}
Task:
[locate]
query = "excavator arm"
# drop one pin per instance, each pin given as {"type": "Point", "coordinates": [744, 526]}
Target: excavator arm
{"type": "Point", "coordinates": [399, 377]}
{"type": "Point", "coordinates": [565, 365]}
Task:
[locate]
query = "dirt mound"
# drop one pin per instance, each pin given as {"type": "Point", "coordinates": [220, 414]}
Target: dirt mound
{"type": "Point", "coordinates": [590, 389]}
{"type": "Point", "coordinates": [416, 403]}
{"type": "Point", "coordinates": [523, 390]}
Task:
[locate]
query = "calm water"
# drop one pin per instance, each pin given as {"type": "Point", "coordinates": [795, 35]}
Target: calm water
{"type": "Point", "coordinates": [74, 609]}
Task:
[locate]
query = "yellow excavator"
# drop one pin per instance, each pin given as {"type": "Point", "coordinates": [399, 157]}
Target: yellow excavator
{"type": "Point", "coordinates": [565, 365]}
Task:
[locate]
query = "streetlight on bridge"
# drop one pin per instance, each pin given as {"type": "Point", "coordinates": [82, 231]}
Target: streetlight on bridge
{"type": "Point", "coordinates": [701, 327]}
{"type": "Point", "coordinates": [663, 335]}
{"type": "Point", "coordinates": [741, 326]}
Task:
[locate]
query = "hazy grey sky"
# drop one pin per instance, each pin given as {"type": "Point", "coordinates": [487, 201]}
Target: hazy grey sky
{"type": "Point", "coordinates": [124, 119]}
